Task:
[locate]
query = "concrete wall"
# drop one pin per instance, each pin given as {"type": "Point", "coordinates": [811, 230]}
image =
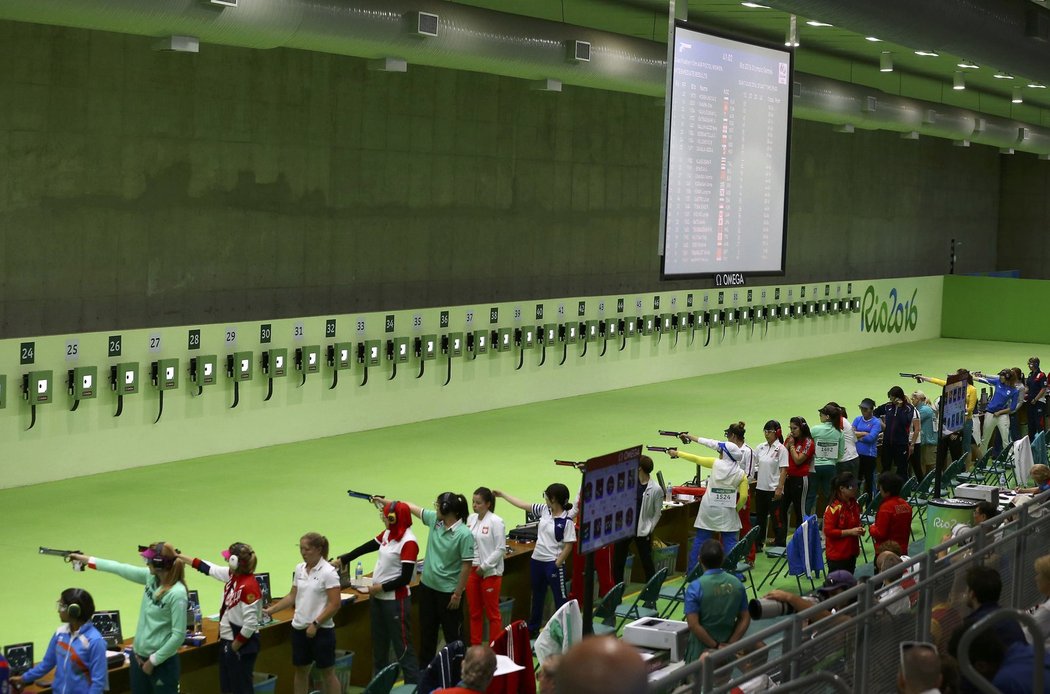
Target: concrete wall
{"type": "Point", "coordinates": [154, 189]}
{"type": "Point", "coordinates": [1023, 243]}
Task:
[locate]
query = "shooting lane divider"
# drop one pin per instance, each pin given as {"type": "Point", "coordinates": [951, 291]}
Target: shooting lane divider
{"type": "Point", "coordinates": [707, 338]}
{"type": "Point", "coordinates": [603, 328]}
{"type": "Point", "coordinates": [585, 337]}
{"type": "Point", "coordinates": [393, 361]}
{"type": "Point", "coordinates": [622, 325]}
{"type": "Point", "coordinates": [330, 354]}
{"type": "Point", "coordinates": [361, 360]}
{"type": "Point", "coordinates": [521, 349]}
{"type": "Point", "coordinates": [563, 334]}
{"type": "Point", "coordinates": [674, 326]}
{"type": "Point", "coordinates": [417, 347]}
{"type": "Point", "coordinates": [269, 389]}
{"type": "Point", "coordinates": [723, 335]}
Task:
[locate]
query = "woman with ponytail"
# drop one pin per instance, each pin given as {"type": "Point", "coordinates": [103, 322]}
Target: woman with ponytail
{"type": "Point", "coordinates": [555, 536]}
{"type": "Point", "coordinates": [772, 458]}
{"type": "Point", "coordinates": [239, 615]}
{"type": "Point", "coordinates": [162, 618]}
{"type": "Point", "coordinates": [450, 552]}
{"type": "Point", "coordinates": [390, 607]}
{"type": "Point", "coordinates": [727, 488]}
{"type": "Point", "coordinates": [315, 596]}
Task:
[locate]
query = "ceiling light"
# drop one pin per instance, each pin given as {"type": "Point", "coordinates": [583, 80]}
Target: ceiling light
{"type": "Point", "coordinates": [1017, 98]}
{"type": "Point", "coordinates": [1003, 76]}
{"type": "Point", "coordinates": [967, 65]}
{"type": "Point", "coordinates": [872, 39]}
{"type": "Point", "coordinates": [1036, 85]}
{"type": "Point", "coordinates": [791, 38]}
{"type": "Point", "coordinates": [959, 81]}
{"type": "Point", "coordinates": [755, 5]}
{"type": "Point", "coordinates": [886, 62]}
{"type": "Point", "coordinates": [928, 54]}
{"type": "Point", "coordinates": [815, 23]}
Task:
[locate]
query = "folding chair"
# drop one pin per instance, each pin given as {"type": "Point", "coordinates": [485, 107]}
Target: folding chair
{"type": "Point", "coordinates": [979, 472]}
{"type": "Point", "coordinates": [1001, 469]}
{"type": "Point", "coordinates": [384, 680]}
{"type": "Point", "coordinates": [604, 621]}
{"type": "Point", "coordinates": [648, 596]}
{"type": "Point", "coordinates": [920, 497]}
{"type": "Point", "coordinates": [811, 559]}
{"type": "Point", "coordinates": [863, 501]}
{"type": "Point", "coordinates": [676, 596]}
{"type": "Point", "coordinates": [736, 561]}
{"type": "Point", "coordinates": [444, 670]}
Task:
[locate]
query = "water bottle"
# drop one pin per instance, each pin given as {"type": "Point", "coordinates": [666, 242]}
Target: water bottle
{"type": "Point", "coordinates": [668, 495]}
{"type": "Point", "coordinates": [197, 619]}
{"type": "Point", "coordinates": [358, 573]}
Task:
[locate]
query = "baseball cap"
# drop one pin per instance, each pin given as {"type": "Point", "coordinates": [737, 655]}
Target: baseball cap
{"type": "Point", "coordinates": [836, 581]}
{"type": "Point", "coordinates": [867, 404]}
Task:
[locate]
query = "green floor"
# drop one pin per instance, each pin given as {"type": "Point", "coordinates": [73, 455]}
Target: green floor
{"type": "Point", "coordinates": [270, 496]}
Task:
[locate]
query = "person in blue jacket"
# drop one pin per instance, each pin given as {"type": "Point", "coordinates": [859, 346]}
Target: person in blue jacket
{"type": "Point", "coordinates": [1002, 403]}
{"type": "Point", "coordinates": [5, 675]}
{"type": "Point", "coordinates": [868, 428]}
{"type": "Point", "coordinates": [77, 652]}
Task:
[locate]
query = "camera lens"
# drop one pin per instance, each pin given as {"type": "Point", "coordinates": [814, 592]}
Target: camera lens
{"type": "Point", "coordinates": [766, 608]}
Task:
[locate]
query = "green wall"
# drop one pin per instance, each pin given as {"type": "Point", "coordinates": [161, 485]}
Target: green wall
{"type": "Point", "coordinates": [995, 308]}
{"type": "Point", "coordinates": [65, 444]}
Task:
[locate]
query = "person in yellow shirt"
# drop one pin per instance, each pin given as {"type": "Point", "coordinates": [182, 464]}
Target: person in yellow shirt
{"type": "Point", "coordinates": [958, 446]}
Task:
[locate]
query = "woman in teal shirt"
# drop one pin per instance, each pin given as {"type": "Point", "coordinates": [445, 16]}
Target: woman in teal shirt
{"type": "Point", "coordinates": [829, 441]}
{"type": "Point", "coordinates": [162, 617]}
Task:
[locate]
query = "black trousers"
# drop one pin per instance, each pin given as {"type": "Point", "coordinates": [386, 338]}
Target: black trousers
{"type": "Point", "coordinates": [769, 509]}
{"type": "Point", "coordinates": [434, 613]}
{"type": "Point", "coordinates": [866, 473]}
{"type": "Point", "coordinates": [839, 564]}
{"type": "Point", "coordinates": [795, 491]}
{"type": "Point", "coordinates": [622, 549]}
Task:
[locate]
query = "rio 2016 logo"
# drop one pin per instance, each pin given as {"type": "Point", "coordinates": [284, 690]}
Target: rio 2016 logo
{"type": "Point", "coordinates": [890, 316]}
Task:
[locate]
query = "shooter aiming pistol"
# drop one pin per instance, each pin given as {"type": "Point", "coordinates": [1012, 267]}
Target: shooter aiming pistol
{"type": "Point", "coordinates": [659, 449]}
{"type": "Point", "coordinates": [569, 463]}
{"type": "Point", "coordinates": [917, 377]}
{"type": "Point", "coordinates": [683, 436]}
{"type": "Point", "coordinates": [64, 553]}
{"type": "Point", "coordinates": [361, 495]}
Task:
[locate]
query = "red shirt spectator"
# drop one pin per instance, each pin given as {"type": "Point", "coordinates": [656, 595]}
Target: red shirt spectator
{"type": "Point", "coordinates": [804, 448]}
{"type": "Point", "coordinates": [892, 522]}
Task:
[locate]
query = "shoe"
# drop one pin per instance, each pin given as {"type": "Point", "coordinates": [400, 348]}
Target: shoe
{"type": "Point", "coordinates": [649, 605]}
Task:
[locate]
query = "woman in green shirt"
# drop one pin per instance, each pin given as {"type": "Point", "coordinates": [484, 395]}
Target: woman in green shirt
{"type": "Point", "coordinates": [827, 436]}
{"type": "Point", "coordinates": [162, 617]}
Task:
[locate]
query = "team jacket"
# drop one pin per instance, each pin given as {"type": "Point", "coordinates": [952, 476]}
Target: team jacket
{"type": "Point", "coordinates": [79, 662]}
{"type": "Point", "coordinates": [892, 522]}
{"type": "Point", "coordinates": [839, 516]}
{"type": "Point", "coordinates": [240, 601]}
{"type": "Point", "coordinates": [804, 554]}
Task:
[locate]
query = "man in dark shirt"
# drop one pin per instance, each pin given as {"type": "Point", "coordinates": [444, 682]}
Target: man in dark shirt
{"type": "Point", "coordinates": [1035, 397]}
{"type": "Point", "coordinates": [984, 587]}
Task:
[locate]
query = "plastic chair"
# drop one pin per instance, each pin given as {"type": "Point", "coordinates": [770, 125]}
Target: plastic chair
{"type": "Point", "coordinates": [676, 596]}
{"type": "Point", "coordinates": [863, 503]}
{"type": "Point", "coordinates": [779, 555]}
{"type": "Point", "coordinates": [648, 596]}
{"type": "Point", "coordinates": [384, 680]}
{"type": "Point", "coordinates": [919, 499]}
{"type": "Point", "coordinates": [736, 561]}
{"type": "Point", "coordinates": [604, 621]}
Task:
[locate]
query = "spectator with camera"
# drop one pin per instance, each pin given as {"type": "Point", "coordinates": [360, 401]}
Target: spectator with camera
{"type": "Point", "coordinates": [780, 602]}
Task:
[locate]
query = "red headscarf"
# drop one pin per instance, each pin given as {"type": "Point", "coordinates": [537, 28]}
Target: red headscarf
{"type": "Point", "coordinates": [403, 519]}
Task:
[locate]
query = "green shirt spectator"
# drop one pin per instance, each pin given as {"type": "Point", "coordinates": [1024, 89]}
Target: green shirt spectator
{"type": "Point", "coordinates": [447, 548]}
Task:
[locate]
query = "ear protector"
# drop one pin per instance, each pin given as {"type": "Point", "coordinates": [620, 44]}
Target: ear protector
{"type": "Point", "coordinates": [239, 552]}
{"type": "Point", "coordinates": [445, 503]}
{"type": "Point", "coordinates": [391, 514]}
{"type": "Point", "coordinates": [154, 556]}
{"type": "Point", "coordinates": [73, 609]}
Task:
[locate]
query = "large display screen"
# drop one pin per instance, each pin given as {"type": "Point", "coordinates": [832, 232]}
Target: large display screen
{"type": "Point", "coordinates": [727, 136]}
